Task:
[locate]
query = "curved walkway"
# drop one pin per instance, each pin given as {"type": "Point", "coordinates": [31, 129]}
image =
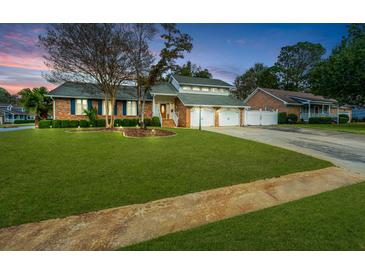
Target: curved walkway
{"type": "Point", "coordinates": [117, 227]}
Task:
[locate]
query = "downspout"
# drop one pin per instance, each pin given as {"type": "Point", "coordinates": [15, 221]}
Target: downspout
{"type": "Point", "coordinates": [54, 108]}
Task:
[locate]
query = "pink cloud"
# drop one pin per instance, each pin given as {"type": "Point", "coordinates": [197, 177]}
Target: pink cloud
{"type": "Point", "coordinates": [18, 37]}
{"type": "Point", "coordinates": [21, 60]}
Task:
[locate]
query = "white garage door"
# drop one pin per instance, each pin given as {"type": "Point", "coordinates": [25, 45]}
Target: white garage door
{"type": "Point", "coordinates": [260, 118]}
{"type": "Point", "coordinates": [207, 117]}
{"type": "Point", "coordinates": [229, 117]}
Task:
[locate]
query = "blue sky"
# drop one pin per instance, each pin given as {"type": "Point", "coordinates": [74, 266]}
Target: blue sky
{"type": "Point", "coordinates": [225, 49]}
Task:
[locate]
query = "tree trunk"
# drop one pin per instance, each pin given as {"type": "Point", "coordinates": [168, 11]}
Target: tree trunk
{"type": "Point", "coordinates": [36, 121]}
{"type": "Point", "coordinates": [106, 111]}
{"type": "Point", "coordinates": [112, 104]}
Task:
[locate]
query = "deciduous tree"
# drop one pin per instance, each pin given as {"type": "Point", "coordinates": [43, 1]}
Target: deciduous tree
{"type": "Point", "coordinates": [192, 70]}
{"type": "Point", "coordinates": [91, 53]}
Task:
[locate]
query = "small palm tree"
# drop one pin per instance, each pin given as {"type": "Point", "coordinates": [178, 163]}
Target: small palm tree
{"type": "Point", "coordinates": [91, 114]}
{"type": "Point", "coordinates": [34, 101]}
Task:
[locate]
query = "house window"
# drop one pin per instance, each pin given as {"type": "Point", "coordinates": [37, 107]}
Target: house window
{"type": "Point", "coordinates": [186, 88]}
{"type": "Point", "coordinates": [131, 108]}
{"type": "Point", "coordinates": [81, 105]}
{"type": "Point", "coordinates": [196, 88]}
{"type": "Point", "coordinates": [205, 89]}
{"type": "Point", "coordinates": [110, 108]}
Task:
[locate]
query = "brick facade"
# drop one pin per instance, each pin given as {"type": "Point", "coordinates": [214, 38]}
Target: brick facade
{"type": "Point", "coordinates": [265, 101]}
{"type": "Point", "coordinates": [63, 110]}
{"type": "Point", "coordinates": [183, 113]}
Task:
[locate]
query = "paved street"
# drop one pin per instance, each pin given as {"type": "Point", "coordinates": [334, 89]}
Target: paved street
{"type": "Point", "coordinates": [342, 149]}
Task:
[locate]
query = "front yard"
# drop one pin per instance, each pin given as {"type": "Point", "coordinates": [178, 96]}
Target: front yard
{"type": "Point", "coordinates": [51, 173]}
{"type": "Point", "coordinates": [358, 128]}
{"type": "Point", "coordinates": [328, 221]}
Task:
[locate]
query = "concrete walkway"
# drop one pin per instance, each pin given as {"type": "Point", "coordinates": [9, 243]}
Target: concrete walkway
{"type": "Point", "coordinates": [117, 227]}
{"type": "Point", "coordinates": [2, 129]}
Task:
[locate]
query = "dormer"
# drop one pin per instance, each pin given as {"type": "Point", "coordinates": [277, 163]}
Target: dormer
{"type": "Point", "coordinates": [196, 85]}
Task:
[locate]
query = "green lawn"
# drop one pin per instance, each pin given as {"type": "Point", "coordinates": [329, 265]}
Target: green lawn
{"type": "Point", "coordinates": [358, 128]}
{"type": "Point", "coordinates": [50, 173]}
{"type": "Point", "coordinates": [328, 221]}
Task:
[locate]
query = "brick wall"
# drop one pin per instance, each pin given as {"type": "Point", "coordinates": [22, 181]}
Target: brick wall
{"type": "Point", "coordinates": [183, 113]}
{"type": "Point", "coordinates": [263, 100]}
{"type": "Point", "coordinates": [63, 110]}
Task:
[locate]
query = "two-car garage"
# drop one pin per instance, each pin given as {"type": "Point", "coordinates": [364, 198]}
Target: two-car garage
{"type": "Point", "coordinates": [226, 116]}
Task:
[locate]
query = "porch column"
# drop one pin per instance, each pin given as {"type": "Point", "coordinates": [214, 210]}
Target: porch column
{"type": "Point", "coordinates": [322, 109]}
{"type": "Point", "coordinates": [309, 110]}
{"type": "Point", "coordinates": [153, 106]}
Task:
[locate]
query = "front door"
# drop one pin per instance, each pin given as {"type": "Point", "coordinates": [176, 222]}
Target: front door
{"type": "Point", "coordinates": [163, 110]}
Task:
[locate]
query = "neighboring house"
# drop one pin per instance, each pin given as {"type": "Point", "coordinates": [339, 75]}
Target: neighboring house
{"type": "Point", "coordinates": [10, 113]}
{"type": "Point", "coordinates": [303, 104]}
{"type": "Point", "coordinates": [179, 102]}
{"type": "Point", "coordinates": [358, 113]}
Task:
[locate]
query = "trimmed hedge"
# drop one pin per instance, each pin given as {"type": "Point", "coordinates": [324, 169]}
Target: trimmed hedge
{"type": "Point", "coordinates": [56, 124]}
{"type": "Point", "coordinates": [84, 123]}
{"type": "Point", "coordinates": [65, 123]}
{"type": "Point", "coordinates": [74, 123]}
{"type": "Point", "coordinates": [23, 121]}
{"type": "Point", "coordinates": [44, 123]}
{"type": "Point", "coordinates": [292, 118]}
{"type": "Point", "coordinates": [282, 118]}
{"type": "Point", "coordinates": [100, 123]}
{"type": "Point", "coordinates": [320, 120]}
{"type": "Point", "coordinates": [129, 122]}
{"type": "Point", "coordinates": [344, 118]}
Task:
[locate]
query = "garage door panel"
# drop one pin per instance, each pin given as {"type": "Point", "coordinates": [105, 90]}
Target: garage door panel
{"type": "Point", "coordinates": [207, 117]}
{"type": "Point", "coordinates": [260, 118]}
{"type": "Point", "coordinates": [229, 117]}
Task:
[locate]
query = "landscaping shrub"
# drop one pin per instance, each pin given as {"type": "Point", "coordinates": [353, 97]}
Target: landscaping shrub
{"type": "Point", "coordinates": [100, 123]}
{"type": "Point", "coordinates": [292, 118]}
{"type": "Point", "coordinates": [282, 118]}
{"type": "Point", "coordinates": [148, 122]}
{"type": "Point", "coordinates": [84, 123]}
{"type": "Point", "coordinates": [44, 123]}
{"type": "Point", "coordinates": [344, 118]}
{"type": "Point", "coordinates": [155, 122]}
{"type": "Point", "coordinates": [74, 123]}
{"type": "Point", "coordinates": [118, 122]}
{"type": "Point", "coordinates": [129, 122]}
{"type": "Point", "coordinates": [320, 120]}
{"type": "Point", "coordinates": [91, 114]}
{"type": "Point", "coordinates": [56, 123]}
{"type": "Point", "coordinates": [65, 123]}
{"type": "Point", "coordinates": [23, 121]}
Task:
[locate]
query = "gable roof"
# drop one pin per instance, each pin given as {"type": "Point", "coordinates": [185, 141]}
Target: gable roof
{"type": "Point", "coordinates": [295, 97]}
{"type": "Point", "coordinates": [163, 89]}
{"type": "Point", "coordinates": [189, 99]}
{"type": "Point", "coordinates": [91, 91]}
{"type": "Point", "coordinates": [197, 81]}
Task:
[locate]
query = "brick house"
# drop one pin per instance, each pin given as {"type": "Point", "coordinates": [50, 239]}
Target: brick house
{"type": "Point", "coordinates": [183, 101]}
{"type": "Point", "coordinates": [303, 104]}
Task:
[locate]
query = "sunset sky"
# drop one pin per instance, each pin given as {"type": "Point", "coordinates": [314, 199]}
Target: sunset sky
{"type": "Point", "coordinates": [225, 49]}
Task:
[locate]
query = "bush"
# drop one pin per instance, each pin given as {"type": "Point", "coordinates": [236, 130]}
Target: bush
{"type": "Point", "coordinates": [320, 120]}
{"type": "Point", "coordinates": [148, 122]}
{"type": "Point", "coordinates": [23, 121]}
{"type": "Point", "coordinates": [84, 123]}
{"type": "Point", "coordinates": [74, 123]}
{"type": "Point", "coordinates": [65, 123]}
{"type": "Point", "coordinates": [282, 118]}
{"type": "Point", "coordinates": [44, 123]}
{"type": "Point", "coordinates": [100, 123]}
{"type": "Point", "coordinates": [155, 122]}
{"type": "Point", "coordinates": [344, 118]}
{"type": "Point", "coordinates": [292, 118]}
{"type": "Point", "coordinates": [56, 124]}
{"type": "Point", "coordinates": [129, 122]}
{"type": "Point", "coordinates": [118, 122]}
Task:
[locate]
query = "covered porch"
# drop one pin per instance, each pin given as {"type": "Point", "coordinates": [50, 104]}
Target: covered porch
{"type": "Point", "coordinates": [317, 110]}
{"type": "Point", "coordinates": [163, 106]}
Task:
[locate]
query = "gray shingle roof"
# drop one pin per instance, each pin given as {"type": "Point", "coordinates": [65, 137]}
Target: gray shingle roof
{"type": "Point", "coordinates": [201, 81]}
{"type": "Point", "coordinates": [164, 89]}
{"type": "Point", "coordinates": [90, 91]}
{"type": "Point", "coordinates": [294, 97]}
{"type": "Point", "coordinates": [189, 99]}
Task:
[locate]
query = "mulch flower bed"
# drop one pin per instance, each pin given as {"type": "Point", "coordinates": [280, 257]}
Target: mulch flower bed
{"type": "Point", "coordinates": [140, 132]}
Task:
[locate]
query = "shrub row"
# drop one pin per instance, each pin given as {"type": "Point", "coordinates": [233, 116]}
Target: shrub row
{"type": "Point", "coordinates": [344, 118]}
{"type": "Point", "coordinates": [23, 121]}
{"type": "Point", "coordinates": [320, 120]}
{"type": "Point", "coordinates": [284, 118]}
{"type": "Point", "coordinates": [154, 122]}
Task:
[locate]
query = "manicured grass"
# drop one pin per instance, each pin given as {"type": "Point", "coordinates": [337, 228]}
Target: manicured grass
{"type": "Point", "coordinates": [358, 128]}
{"type": "Point", "coordinates": [16, 125]}
{"type": "Point", "coordinates": [50, 173]}
{"type": "Point", "coordinates": [329, 221]}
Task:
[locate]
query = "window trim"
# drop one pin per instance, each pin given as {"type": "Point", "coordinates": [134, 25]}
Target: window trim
{"type": "Point", "coordinates": [83, 104]}
{"type": "Point", "coordinates": [131, 108]}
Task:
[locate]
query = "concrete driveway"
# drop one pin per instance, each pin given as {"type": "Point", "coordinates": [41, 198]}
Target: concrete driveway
{"type": "Point", "coordinates": [342, 149]}
{"type": "Point", "coordinates": [15, 128]}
